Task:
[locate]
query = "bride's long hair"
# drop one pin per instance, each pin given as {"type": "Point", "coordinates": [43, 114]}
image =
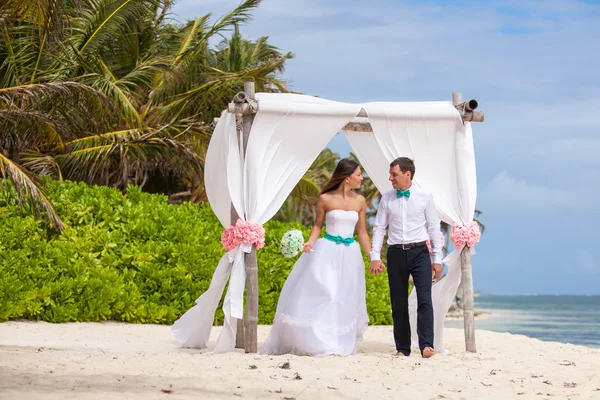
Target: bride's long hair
{"type": "Point", "coordinates": [344, 169]}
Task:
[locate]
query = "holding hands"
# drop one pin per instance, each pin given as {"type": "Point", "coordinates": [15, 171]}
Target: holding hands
{"type": "Point", "coordinates": [376, 267]}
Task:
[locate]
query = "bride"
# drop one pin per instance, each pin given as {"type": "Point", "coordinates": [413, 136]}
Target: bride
{"type": "Point", "coordinates": [322, 307]}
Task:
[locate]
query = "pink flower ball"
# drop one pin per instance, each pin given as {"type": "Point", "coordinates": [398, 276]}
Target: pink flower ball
{"type": "Point", "coordinates": [468, 234]}
{"type": "Point", "coordinates": [229, 239]}
{"type": "Point", "coordinates": [250, 233]}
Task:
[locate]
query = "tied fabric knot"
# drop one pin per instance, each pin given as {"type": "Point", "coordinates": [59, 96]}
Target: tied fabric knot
{"type": "Point", "coordinates": [339, 240]}
{"type": "Point", "coordinates": [465, 235]}
{"type": "Point", "coordinates": [400, 193]}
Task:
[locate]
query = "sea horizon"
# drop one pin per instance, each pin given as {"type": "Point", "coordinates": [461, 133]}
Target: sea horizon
{"type": "Point", "coordinates": [477, 292]}
{"type": "Point", "coordinates": [573, 319]}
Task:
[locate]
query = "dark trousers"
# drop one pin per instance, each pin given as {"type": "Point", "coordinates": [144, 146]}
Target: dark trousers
{"type": "Point", "coordinates": [417, 263]}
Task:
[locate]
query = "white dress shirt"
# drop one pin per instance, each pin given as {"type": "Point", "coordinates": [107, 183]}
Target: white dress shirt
{"type": "Point", "coordinates": [409, 221]}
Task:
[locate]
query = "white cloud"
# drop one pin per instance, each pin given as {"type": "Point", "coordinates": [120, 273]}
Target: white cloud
{"type": "Point", "coordinates": [571, 151]}
{"type": "Point", "coordinates": [509, 193]}
{"type": "Point", "coordinates": [404, 50]}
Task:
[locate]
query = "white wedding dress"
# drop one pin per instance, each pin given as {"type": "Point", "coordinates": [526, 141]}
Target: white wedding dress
{"type": "Point", "coordinates": [322, 307]}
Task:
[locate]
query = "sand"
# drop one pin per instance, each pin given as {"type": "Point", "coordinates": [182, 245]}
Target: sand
{"type": "Point", "coordinates": [125, 361]}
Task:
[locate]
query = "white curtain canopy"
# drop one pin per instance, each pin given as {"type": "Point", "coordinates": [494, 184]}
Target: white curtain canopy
{"type": "Point", "coordinates": [288, 133]}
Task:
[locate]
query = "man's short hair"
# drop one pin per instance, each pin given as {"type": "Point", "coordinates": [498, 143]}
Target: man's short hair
{"type": "Point", "coordinates": [405, 164]}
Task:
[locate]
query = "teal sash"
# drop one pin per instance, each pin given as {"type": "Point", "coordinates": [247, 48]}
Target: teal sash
{"type": "Point", "coordinates": [339, 239]}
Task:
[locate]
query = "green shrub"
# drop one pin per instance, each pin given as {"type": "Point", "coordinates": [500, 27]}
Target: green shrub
{"type": "Point", "coordinates": [131, 258]}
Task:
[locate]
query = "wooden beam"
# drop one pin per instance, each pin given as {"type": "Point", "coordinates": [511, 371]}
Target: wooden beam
{"type": "Point", "coordinates": [466, 267]}
{"type": "Point", "coordinates": [475, 116]}
{"type": "Point", "coordinates": [358, 127]}
{"type": "Point", "coordinates": [350, 126]}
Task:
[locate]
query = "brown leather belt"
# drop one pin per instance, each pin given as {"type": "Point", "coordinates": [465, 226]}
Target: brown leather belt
{"type": "Point", "coordinates": [407, 246]}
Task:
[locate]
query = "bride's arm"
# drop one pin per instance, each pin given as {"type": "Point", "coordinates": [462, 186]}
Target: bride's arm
{"type": "Point", "coordinates": [316, 229]}
{"type": "Point", "coordinates": [361, 228]}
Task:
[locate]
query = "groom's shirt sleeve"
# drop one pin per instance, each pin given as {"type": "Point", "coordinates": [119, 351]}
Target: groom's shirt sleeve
{"type": "Point", "coordinates": [381, 222]}
{"type": "Point", "coordinates": [433, 229]}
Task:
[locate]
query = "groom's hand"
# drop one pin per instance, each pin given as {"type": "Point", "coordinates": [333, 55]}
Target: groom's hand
{"type": "Point", "coordinates": [376, 267]}
{"type": "Point", "coordinates": [437, 271]}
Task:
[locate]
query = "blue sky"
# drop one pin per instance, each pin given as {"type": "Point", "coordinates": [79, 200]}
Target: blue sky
{"type": "Point", "coordinates": [533, 67]}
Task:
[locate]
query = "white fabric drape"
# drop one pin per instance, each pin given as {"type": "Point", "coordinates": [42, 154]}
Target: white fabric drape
{"type": "Point", "coordinates": [286, 137]}
{"type": "Point", "coordinates": [433, 135]}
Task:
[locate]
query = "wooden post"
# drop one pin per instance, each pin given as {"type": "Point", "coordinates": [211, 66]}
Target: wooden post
{"type": "Point", "coordinates": [468, 301]}
{"type": "Point", "coordinates": [239, 336]}
{"type": "Point", "coordinates": [456, 98]}
{"type": "Point", "coordinates": [251, 323]}
{"type": "Point", "coordinates": [467, 279]}
{"type": "Point", "coordinates": [244, 106]}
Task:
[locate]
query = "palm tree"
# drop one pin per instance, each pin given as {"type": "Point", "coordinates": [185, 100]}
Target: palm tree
{"type": "Point", "coordinates": [34, 117]}
{"type": "Point", "coordinates": [158, 86]}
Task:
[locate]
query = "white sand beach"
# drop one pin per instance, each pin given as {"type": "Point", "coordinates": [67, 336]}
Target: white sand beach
{"type": "Point", "coordinates": [125, 361]}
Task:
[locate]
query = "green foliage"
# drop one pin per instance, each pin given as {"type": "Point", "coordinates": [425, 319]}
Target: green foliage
{"type": "Point", "coordinates": [129, 257]}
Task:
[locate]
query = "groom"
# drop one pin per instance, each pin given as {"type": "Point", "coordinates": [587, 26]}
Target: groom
{"type": "Point", "coordinates": [410, 213]}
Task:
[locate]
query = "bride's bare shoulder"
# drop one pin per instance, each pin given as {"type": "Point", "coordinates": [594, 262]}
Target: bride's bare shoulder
{"type": "Point", "coordinates": [324, 200]}
{"type": "Point", "coordinates": [325, 197]}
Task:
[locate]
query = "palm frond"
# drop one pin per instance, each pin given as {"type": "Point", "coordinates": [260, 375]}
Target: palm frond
{"type": "Point", "coordinates": [212, 97]}
{"type": "Point", "coordinates": [35, 92]}
{"type": "Point", "coordinates": [107, 83]}
{"type": "Point", "coordinates": [41, 164]}
{"type": "Point", "coordinates": [102, 139]}
{"type": "Point", "coordinates": [107, 18]}
{"type": "Point", "coordinates": [9, 69]}
{"type": "Point", "coordinates": [237, 16]}
{"type": "Point", "coordinates": [305, 189]}
{"type": "Point", "coordinates": [74, 108]}
{"type": "Point", "coordinates": [44, 14]}
{"type": "Point", "coordinates": [21, 129]}
{"type": "Point", "coordinates": [110, 158]}
{"type": "Point", "coordinates": [189, 40]}
{"type": "Point", "coordinates": [29, 190]}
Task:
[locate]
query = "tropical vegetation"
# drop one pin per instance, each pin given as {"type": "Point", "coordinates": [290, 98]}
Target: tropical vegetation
{"type": "Point", "coordinates": [129, 257]}
{"type": "Point", "coordinates": [115, 92]}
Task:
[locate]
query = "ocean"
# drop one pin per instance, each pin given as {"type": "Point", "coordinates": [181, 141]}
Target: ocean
{"type": "Point", "coordinates": [566, 319]}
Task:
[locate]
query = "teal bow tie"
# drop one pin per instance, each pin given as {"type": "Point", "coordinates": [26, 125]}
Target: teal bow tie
{"type": "Point", "coordinates": [400, 193]}
{"type": "Point", "coordinates": [339, 240]}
